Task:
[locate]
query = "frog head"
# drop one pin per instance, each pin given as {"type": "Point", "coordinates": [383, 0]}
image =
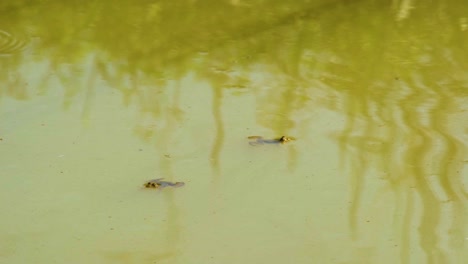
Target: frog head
{"type": "Point", "coordinates": [285, 139]}
{"type": "Point", "coordinates": [151, 184]}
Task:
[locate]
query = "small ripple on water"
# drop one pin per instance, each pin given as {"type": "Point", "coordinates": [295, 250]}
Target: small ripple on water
{"type": "Point", "coordinates": [11, 44]}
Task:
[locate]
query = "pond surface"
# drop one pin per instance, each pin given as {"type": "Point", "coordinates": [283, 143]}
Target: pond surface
{"type": "Point", "coordinates": [98, 98]}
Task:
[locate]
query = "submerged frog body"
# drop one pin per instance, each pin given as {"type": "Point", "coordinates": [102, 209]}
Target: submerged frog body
{"type": "Point", "coordinates": [160, 184]}
{"type": "Point", "coordinates": [257, 140]}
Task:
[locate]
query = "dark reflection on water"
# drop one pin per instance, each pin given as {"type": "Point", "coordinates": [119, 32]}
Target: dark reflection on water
{"type": "Point", "coordinates": [396, 73]}
{"type": "Point", "coordinates": [219, 137]}
{"type": "Point", "coordinates": [402, 112]}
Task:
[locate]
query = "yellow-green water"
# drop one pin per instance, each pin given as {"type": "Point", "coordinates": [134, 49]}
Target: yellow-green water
{"type": "Point", "coordinates": [96, 97]}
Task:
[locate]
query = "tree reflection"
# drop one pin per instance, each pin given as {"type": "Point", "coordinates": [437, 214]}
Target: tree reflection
{"type": "Point", "coordinates": [397, 74]}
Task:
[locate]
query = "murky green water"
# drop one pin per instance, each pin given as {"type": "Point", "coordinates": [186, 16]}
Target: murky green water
{"type": "Point", "coordinates": [96, 98]}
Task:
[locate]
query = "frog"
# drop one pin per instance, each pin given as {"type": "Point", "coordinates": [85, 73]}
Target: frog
{"type": "Point", "coordinates": [160, 184]}
{"type": "Point", "coordinates": [257, 140]}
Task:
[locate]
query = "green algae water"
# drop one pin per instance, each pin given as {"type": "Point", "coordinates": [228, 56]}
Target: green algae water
{"type": "Point", "coordinates": [99, 97]}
